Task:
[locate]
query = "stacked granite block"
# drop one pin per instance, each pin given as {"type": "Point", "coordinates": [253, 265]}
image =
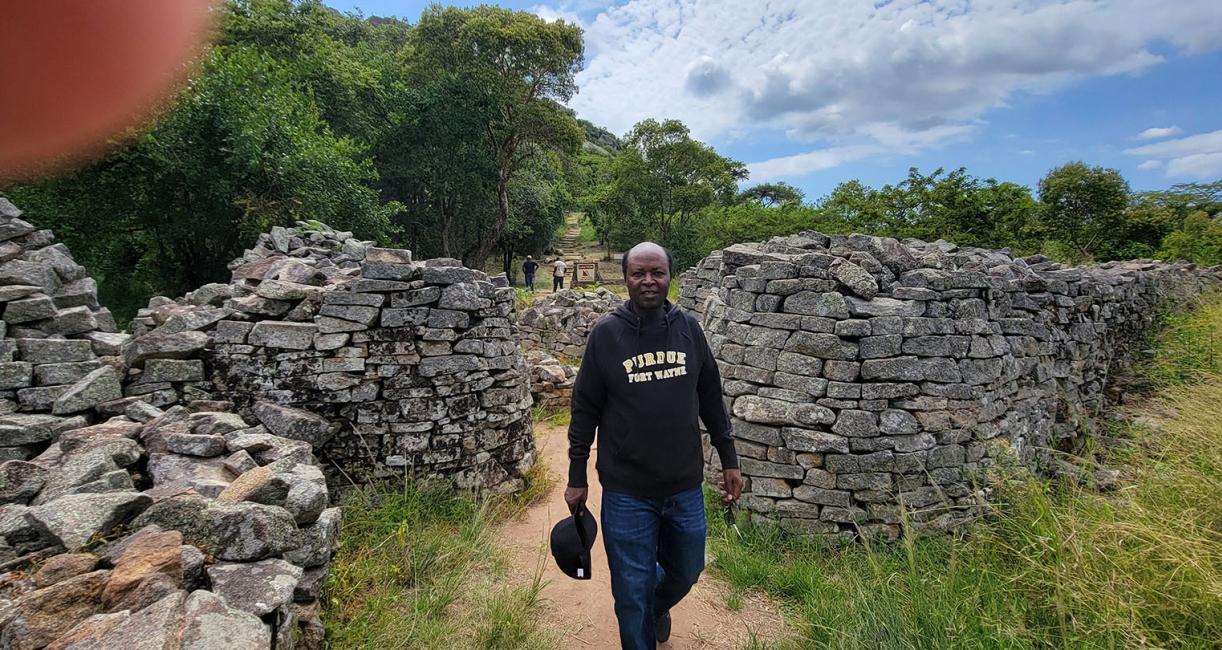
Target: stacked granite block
{"type": "Point", "coordinates": [560, 322]}
{"type": "Point", "coordinates": [57, 345]}
{"type": "Point", "coordinates": [865, 375]}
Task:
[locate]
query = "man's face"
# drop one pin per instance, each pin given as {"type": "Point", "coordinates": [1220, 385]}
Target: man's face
{"type": "Point", "coordinates": [648, 279]}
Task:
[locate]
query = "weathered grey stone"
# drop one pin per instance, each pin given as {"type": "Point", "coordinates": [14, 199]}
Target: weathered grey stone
{"type": "Point", "coordinates": [29, 309]}
{"type": "Point", "coordinates": [462, 296]}
{"type": "Point", "coordinates": [173, 370]}
{"type": "Point", "coordinates": [153, 627]}
{"type": "Point", "coordinates": [15, 374]}
{"type": "Point", "coordinates": [355, 313]}
{"type": "Point", "coordinates": [101, 385]}
{"type": "Point", "coordinates": [238, 532]}
{"type": "Point", "coordinates": [806, 440]}
{"type": "Point", "coordinates": [29, 273]}
{"type": "Point", "coordinates": [446, 275]}
{"type": "Point", "coordinates": [811, 303]}
{"type": "Point", "coordinates": [79, 293]}
{"type": "Point", "coordinates": [211, 624]}
{"type": "Point", "coordinates": [320, 540]}
{"type": "Point", "coordinates": [855, 424]}
{"type": "Point", "coordinates": [897, 422]}
{"type": "Point", "coordinates": [182, 345]}
{"type": "Point", "coordinates": [255, 587]}
{"type": "Point", "coordinates": [823, 346]}
{"type": "Point", "coordinates": [191, 319]}
{"type": "Point", "coordinates": [195, 445]}
{"type": "Point", "coordinates": [388, 255]}
{"type": "Point", "coordinates": [389, 270]}
{"type": "Point", "coordinates": [38, 351]}
{"type": "Point", "coordinates": [331, 325]}
{"type": "Point", "coordinates": [20, 481]}
{"type": "Point", "coordinates": [423, 296]}
{"type": "Point", "coordinates": [857, 279]}
{"type": "Point", "coordinates": [288, 291]}
{"type": "Point", "coordinates": [296, 424]}
{"type": "Point", "coordinates": [883, 306]}
{"type": "Point", "coordinates": [289, 336]}
{"type": "Point", "coordinates": [75, 518]}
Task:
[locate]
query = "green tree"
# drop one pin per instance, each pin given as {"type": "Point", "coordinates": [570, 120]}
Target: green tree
{"type": "Point", "coordinates": [523, 66]}
{"type": "Point", "coordinates": [1199, 240]}
{"type": "Point", "coordinates": [771, 194]}
{"type": "Point", "coordinates": [1084, 207]}
{"type": "Point", "coordinates": [242, 149]}
{"type": "Point", "coordinates": [661, 183]}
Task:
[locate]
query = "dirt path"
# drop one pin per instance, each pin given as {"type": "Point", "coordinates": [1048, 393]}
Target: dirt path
{"type": "Point", "coordinates": [582, 610]}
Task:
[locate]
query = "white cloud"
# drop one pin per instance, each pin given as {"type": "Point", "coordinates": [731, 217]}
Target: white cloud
{"type": "Point", "coordinates": [841, 74]}
{"type": "Point", "coordinates": [1156, 132]}
{"type": "Point", "coordinates": [1196, 156]}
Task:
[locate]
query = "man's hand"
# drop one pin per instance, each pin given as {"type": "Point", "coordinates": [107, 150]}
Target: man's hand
{"type": "Point", "coordinates": [575, 497]}
{"type": "Point", "coordinates": [731, 485]}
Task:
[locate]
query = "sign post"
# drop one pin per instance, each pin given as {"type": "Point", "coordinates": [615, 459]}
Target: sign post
{"type": "Point", "coordinates": [587, 272]}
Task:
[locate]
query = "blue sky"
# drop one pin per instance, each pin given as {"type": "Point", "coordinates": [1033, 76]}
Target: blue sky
{"type": "Point", "coordinates": [816, 92]}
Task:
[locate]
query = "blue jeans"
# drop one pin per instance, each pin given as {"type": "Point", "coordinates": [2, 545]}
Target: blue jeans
{"type": "Point", "coordinates": [655, 550]}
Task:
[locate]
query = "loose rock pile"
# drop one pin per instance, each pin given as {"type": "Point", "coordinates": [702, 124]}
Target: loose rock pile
{"type": "Point", "coordinates": [551, 382]}
{"type": "Point", "coordinates": [46, 296]}
{"type": "Point", "coordinates": [865, 374]}
{"type": "Point", "coordinates": [163, 529]}
{"type": "Point", "coordinates": [560, 322]}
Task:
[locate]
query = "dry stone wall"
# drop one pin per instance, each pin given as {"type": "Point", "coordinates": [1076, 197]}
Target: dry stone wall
{"type": "Point", "coordinates": [864, 374]}
{"type": "Point", "coordinates": [415, 365]}
{"type": "Point", "coordinates": [125, 524]}
{"type": "Point", "coordinates": [163, 488]}
{"type": "Point", "coordinates": [560, 322]}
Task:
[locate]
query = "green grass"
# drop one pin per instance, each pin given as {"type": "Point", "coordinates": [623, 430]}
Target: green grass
{"type": "Point", "coordinates": [1054, 566]}
{"type": "Point", "coordinates": [418, 568]}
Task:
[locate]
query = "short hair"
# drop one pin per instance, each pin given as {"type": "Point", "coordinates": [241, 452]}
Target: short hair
{"type": "Point", "coordinates": [623, 261]}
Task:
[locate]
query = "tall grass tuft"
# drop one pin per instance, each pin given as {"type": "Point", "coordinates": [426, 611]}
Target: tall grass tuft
{"type": "Point", "coordinates": [1054, 566]}
{"type": "Point", "coordinates": [417, 568]}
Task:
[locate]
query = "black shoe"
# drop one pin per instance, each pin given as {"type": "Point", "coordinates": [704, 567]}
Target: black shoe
{"type": "Point", "coordinates": [661, 628]}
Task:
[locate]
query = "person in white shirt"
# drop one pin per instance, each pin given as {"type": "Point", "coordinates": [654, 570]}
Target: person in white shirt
{"type": "Point", "coordinates": [558, 271]}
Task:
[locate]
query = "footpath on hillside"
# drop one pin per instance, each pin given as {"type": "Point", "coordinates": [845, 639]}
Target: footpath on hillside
{"type": "Point", "coordinates": [582, 611]}
{"type": "Point", "coordinates": [572, 250]}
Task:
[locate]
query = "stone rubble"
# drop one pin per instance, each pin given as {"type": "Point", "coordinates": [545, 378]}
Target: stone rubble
{"type": "Point", "coordinates": [163, 488]}
{"type": "Point", "coordinates": [865, 375]}
{"type": "Point", "coordinates": [551, 382]}
{"type": "Point", "coordinates": [560, 322]}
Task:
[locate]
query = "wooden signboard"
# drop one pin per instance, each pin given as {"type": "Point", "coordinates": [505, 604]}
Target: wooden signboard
{"type": "Point", "coordinates": [587, 272]}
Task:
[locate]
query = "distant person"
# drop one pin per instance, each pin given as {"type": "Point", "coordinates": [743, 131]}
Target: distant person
{"type": "Point", "coordinates": [558, 271]}
{"type": "Point", "coordinates": [647, 377]}
{"type": "Point", "coordinates": [528, 269]}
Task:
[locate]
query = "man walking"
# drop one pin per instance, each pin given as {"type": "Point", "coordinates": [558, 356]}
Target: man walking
{"type": "Point", "coordinates": [528, 269]}
{"type": "Point", "coordinates": [558, 271]}
{"type": "Point", "coordinates": [646, 377]}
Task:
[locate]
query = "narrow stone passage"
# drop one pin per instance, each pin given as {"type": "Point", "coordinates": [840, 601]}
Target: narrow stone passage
{"type": "Point", "coordinates": [582, 611]}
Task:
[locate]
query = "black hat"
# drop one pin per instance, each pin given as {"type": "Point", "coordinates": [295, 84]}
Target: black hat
{"type": "Point", "coordinates": [572, 538]}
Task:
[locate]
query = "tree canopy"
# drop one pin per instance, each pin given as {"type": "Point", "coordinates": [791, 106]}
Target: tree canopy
{"type": "Point", "coordinates": [451, 137]}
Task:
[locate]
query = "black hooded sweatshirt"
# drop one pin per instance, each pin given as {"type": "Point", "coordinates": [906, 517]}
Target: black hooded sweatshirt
{"type": "Point", "coordinates": [642, 384]}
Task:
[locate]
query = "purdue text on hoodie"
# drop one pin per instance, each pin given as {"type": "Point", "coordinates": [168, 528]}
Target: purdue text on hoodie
{"type": "Point", "coordinates": [642, 385]}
